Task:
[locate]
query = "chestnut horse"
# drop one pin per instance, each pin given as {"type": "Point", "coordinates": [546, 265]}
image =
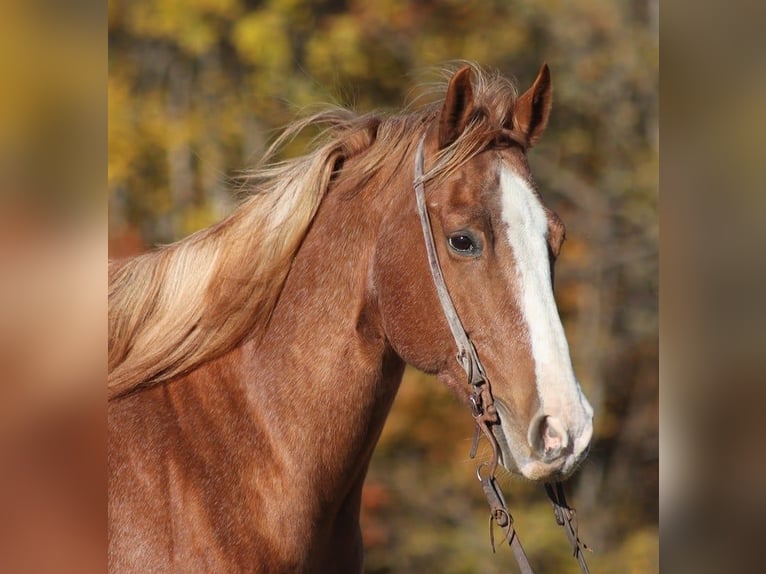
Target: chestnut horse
{"type": "Point", "coordinates": [253, 364]}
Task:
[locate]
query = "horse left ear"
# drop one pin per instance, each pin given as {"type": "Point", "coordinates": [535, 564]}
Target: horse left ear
{"type": "Point", "coordinates": [530, 115]}
{"type": "Point", "coordinates": [457, 109]}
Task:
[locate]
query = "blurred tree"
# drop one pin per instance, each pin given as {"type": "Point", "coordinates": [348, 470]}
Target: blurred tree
{"type": "Point", "coordinates": [198, 87]}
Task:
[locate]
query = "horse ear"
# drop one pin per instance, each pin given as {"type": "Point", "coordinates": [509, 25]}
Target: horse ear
{"type": "Point", "coordinates": [458, 105]}
{"type": "Point", "coordinates": [533, 107]}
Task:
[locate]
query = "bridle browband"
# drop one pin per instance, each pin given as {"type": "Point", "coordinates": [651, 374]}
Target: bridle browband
{"type": "Point", "coordinates": [483, 405]}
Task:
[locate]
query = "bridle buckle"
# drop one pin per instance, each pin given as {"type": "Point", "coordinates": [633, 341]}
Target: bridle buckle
{"type": "Point", "coordinates": [477, 408]}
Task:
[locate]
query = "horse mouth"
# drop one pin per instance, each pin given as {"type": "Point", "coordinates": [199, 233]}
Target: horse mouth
{"type": "Point", "coordinates": [504, 456]}
{"type": "Point", "coordinates": [505, 453]}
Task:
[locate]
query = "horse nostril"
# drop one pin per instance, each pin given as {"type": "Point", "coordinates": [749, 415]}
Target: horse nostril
{"type": "Point", "coordinates": [547, 436]}
{"type": "Point", "coordinates": [550, 434]}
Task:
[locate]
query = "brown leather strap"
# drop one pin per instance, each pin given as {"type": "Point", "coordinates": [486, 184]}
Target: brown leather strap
{"type": "Point", "coordinates": [466, 352]}
{"type": "Point", "coordinates": [566, 516]}
{"type": "Point", "coordinates": [501, 516]}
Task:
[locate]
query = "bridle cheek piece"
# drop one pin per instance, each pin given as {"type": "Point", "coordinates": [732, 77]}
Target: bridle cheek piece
{"type": "Point", "coordinates": [482, 403]}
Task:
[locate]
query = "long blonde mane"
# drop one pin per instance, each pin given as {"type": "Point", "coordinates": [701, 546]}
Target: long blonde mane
{"type": "Point", "coordinates": [177, 307]}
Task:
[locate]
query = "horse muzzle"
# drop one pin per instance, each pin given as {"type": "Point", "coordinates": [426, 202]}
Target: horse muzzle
{"type": "Point", "coordinates": [551, 449]}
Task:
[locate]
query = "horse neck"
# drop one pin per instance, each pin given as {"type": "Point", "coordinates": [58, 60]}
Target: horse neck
{"type": "Point", "coordinates": [323, 377]}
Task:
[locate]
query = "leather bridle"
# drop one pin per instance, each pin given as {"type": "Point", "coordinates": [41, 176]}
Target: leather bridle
{"type": "Point", "coordinates": [483, 405]}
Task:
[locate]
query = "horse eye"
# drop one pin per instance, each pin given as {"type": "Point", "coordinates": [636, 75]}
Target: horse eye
{"type": "Point", "coordinates": [464, 244]}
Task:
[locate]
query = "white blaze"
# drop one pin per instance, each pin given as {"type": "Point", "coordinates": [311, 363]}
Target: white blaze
{"type": "Point", "coordinates": [527, 228]}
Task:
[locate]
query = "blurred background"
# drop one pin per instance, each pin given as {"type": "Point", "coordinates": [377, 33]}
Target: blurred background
{"type": "Point", "coordinates": [198, 88]}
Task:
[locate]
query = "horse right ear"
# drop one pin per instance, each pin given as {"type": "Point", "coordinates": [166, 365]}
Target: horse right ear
{"type": "Point", "coordinates": [533, 108]}
{"type": "Point", "coordinates": [457, 109]}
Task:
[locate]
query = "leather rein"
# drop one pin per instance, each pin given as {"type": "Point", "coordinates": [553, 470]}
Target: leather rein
{"type": "Point", "coordinates": [483, 405]}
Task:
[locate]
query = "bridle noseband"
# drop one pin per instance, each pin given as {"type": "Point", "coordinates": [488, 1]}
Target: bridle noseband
{"type": "Point", "coordinates": [482, 403]}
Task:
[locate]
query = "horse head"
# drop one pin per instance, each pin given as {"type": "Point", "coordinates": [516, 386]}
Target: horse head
{"type": "Point", "coordinates": [497, 244]}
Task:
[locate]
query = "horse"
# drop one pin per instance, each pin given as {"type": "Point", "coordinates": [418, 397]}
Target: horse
{"type": "Point", "coordinates": [252, 364]}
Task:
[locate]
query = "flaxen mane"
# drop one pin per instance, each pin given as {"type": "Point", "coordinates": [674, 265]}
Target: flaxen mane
{"type": "Point", "coordinates": [181, 305]}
